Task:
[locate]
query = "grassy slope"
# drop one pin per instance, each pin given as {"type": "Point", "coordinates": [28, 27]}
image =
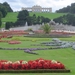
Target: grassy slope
{"type": "Point", "coordinates": [48, 15]}
{"type": "Point", "coordinates": [66, 56]}
{"type": "Point", "coordinates": [12, 17]}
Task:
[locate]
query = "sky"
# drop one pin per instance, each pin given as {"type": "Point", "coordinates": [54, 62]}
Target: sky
{"type": "Point", "coordinates": [16, 5]}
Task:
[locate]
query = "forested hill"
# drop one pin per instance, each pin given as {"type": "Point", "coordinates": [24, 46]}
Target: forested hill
{"type": "Point", "coordinates": [4, 9]}
{"type": "Point", "coordinates": [68, 9]}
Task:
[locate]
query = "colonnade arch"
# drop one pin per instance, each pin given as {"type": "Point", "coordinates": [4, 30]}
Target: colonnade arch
{"type": "Point", "coordinates": [38, 9]}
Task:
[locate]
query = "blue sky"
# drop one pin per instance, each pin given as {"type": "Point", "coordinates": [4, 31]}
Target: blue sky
{"type": "Point", "coordinates": [16, 5]}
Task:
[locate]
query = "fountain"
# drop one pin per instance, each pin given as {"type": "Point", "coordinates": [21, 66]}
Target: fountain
{"type": "Point", "coordinates": [26, 24]}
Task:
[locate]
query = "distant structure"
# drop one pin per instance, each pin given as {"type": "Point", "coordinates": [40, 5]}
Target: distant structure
{"type": "Point", "coordinates": [52, 22]}
{"type": "Point", "coordinates": [37, 8]}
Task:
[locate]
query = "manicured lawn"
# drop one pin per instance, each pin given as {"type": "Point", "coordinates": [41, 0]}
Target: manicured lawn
{"type": "Point", "coordinates": [48, 15]}
{"type": "Point", "coordinates": [68, 39]}
{"type": "Point", "coordinates": [10, 17]}
{"type": "Point", "coordinates": [66, 55]}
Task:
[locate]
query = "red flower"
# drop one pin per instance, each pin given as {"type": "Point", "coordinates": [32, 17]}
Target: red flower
{"type": "Point", "coordinates": [32, 64]}
{"type": "Point", "coordinates": [35, 64]}
{"type": "Point", "coordinates": [6, 66]}
{"type": "Point", "coordinates": [16, 66]}
{"type": "Point", "coordinates": [40, 66]}
{"type": "Point", "coordinates": [25, 66]}
{"type": "Point", "coordinates": [0, 65]}
{"type": "Point", "coordinates": [46, 65]}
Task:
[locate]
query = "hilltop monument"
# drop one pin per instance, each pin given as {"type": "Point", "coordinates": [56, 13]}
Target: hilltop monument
{"type": "Point", "coordinates": [37, 8]}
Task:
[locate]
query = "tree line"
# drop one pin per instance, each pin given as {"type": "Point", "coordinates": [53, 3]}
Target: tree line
{"type": "Point", "coordinates": [68, 9]}
{"type": "Point", "coordinates": [24, 17]}
{"type": "Point", "coordinates": [68, 19]}
{"type": "Point", "coordinates": [4, 9]}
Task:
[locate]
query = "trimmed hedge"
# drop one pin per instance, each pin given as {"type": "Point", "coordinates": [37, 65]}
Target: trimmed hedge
{"type": "Point", "coordinates": [47, 35]}
{"type": "Point", "coordinates": [37, 71]}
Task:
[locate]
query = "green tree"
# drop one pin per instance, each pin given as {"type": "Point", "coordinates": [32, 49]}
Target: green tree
{"type": "Point", "coordinates": [66, 19]}
{"type": "Point", "coordinates": [1, 15]}
{"type": "Point", "coordinates": [0, 20]}
{"type": "Point", "coordinates": [34, 19]}
{"type": "Point", "coordinates": [46, 28]}
{"type": "Point", "coordinates": [30, 20]}
{"type": "Point", "coordinates": [68, 9]}
{"type": "Point", "coordinates": [38, 20]}
{"type": "Point", "coordinates": [23, 15]}
{"type": "Point", "coordinates": [3, 11]}
{"type": "Point", "coordinates": [44, 20]}
{"type": "Point", "coordinates": [22, 18]}
{"type": "Point", "coordinates": [7, 6]}
{"type": "Point", "coordinates": [8, 25]}
{"type": "Point", "coordinates": [72, 10]}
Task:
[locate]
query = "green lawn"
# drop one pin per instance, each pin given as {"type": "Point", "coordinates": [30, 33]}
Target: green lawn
{"type": "Point", "coordinates": [66, 56]}
{"type": "Point", "coordinates": [10, 17]}
{"type": "Point", "coordinates": [48, 15]}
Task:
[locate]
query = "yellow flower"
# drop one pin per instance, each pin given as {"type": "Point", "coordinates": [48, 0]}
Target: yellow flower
{"type": "Point", "coordinates": [53, 61]}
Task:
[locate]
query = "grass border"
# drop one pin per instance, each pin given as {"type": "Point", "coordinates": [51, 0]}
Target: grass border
{"type": "Point", "coordinates": [37, 71]}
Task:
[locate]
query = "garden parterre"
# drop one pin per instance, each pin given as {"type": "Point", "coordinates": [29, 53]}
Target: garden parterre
{"type": "Point", "coordinates": [36, 42]}
{"type": "Point", "coordinates": [55, 44]}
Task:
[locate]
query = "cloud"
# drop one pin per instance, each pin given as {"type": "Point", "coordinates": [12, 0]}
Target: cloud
{"type": "Point", "coordinates": [16, 5]}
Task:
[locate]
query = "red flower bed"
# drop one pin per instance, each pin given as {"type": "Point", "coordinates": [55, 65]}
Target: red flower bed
{"type": "Point", "coordinates": [14, 42]}
{"type": "Point", "coordinates": [4, 41]}
{"type": "Point", "coordinates": [7, 33]}
{"type": "Point", "coordinates": [32, 64]}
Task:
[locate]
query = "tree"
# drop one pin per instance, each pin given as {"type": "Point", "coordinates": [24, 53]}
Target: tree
{"type": "Point", "coordinates": [44, 20]}
{"type": "Point", "coordinates": [3, 11]}
{"type": "Point", "coordinates": [34, 19]}
{"type": "Point", "coordinates": [72, 10]}
{"type": "Point", "coordinates": [7, 6]}
{"type": "Point", "coordinates": [66, 19]}
{"type": "Point", "coordinates": [68, 9]}
{"type": "Point", "coordinates": [38, 20]}
{"type": "Point", "coordinates": [22, 18]}
{"type": "Point", "coordinates": [8, 25]}
{"type": "Point", "coordinates": [23, 15]}
{"type": "Point", "coordinates": [0, 20]}
{"type": "Point", "coordinates": [1, 15]}
{"type": "Point", "coordinates": [30, 20]}
{"type": "Point", "coordinates": [46, 28]}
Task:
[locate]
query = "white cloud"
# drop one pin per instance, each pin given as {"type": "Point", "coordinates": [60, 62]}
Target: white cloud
{"type": "Point", "coordinates": [55, 4]}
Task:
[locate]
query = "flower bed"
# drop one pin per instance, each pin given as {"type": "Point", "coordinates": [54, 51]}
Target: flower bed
{"type": "Point", "coordinates": [5, 34]}
{"type": "Point", "coordinates": [4, 41]}
{"type": "Point", "coordinates": [11, 42]}
{"type": "Point", "coordinates": [38, 65]}
{"type": "Point", "coordinates": [14, 42]}
{"type": "Point", "coordinates": [30, 50]}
